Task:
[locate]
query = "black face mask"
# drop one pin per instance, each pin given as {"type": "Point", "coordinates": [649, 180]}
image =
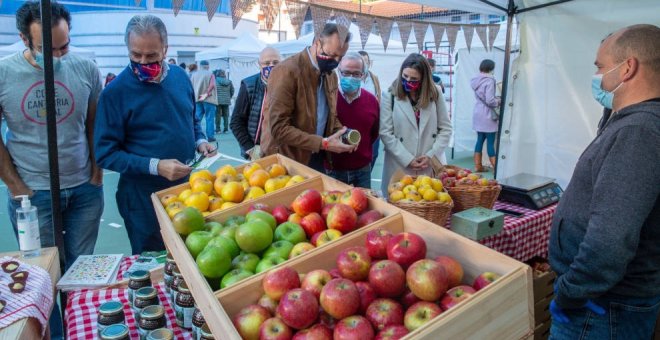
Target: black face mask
{"type": "Point", "coordinates": [326, 63]}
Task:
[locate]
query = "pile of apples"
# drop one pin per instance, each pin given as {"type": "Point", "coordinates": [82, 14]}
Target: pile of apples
{"type": "Point", "coordinates": [415, 189]}
{"type": "Point", "coordinates": [227, 187]}
{"type": "Point", "coordinates": [452, 178]}
{"type": "Point", "coordinates": [381, 291]}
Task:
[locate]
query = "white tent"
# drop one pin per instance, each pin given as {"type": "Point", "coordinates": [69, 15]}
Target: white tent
{"type": "Point", "coordinates": [19, 46]}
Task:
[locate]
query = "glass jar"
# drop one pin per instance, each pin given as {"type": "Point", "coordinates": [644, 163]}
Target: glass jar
{"type": "Point", "coordinates": [184, 307]}
{"type": "Point", "coordinates": [110, 313]}
{"type": "Point", "coordinates": [176, 279]}
{"type": "Point", "coordinates": [167, 272]}
{"type": "Point", "coordinates": [115, 332]}
{"type": "Point", "coordinates": [151, 318]}
{"type": "Point", "coordinates": [144, 297]}
{"type": "Point", "coordinates": [137, 280]}
{"type": "Point", "coordinates": [197, 323]}
{"type": "Point", "coordinates": [205, 333]}
{"type": "Point", "coordinates": [161, 334]}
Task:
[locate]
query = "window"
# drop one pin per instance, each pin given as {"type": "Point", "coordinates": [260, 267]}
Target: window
{"type": "Point", "coordinates": [456, 18]}
{"type": "Point", "coordinates": [475, 17]}
{"type": "Point", "coordinates": [494, 19]}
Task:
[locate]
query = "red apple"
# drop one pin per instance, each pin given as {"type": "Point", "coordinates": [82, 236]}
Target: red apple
{"type": "Point", "coordinates": [327, 320]}
{"type": "Point", "coordinates": [334, 272]}
{"type": "Point", "coordinates": [249, 319]}
{"type": "Point", "coordinates": [356, 198]}
{"type": "Point", "coordinates": [314, 281]}
{"type": "Point", "coordinates": [354, 263]}
{"type": "Point", "coordinates": [278, 281]}
{"type": "Point", "coordinates": [484, 280]}
{"type": "Point", "coordinates": [367, 295]}
{"type": "Point", "coordinates": [316, 332]}
{"type": "Point", "coordinates": [384, 312]}
{"type": "Point", "coordinates": [298, 308]}
{"type": "Point", "coordinates": [449, 182]}
{"type": "Point", "coordinates": [326, 210]}
{"type": "Point", "coordinates": [377, 243]}
{"type": "Point", "coordinates": [393, 332]}
{"type": "Point", "coordinates": [387, 278]}
{"type": "Point", "coordinates": [352, 328]}
{"type": "Point", "coordinates": [295, 218]}
{"type": "Point", "coordinates": [427, 280]}
{"type": "Point", "coordinates": [312, 224]}
{"type": "Point", "coordinates": [419, 314]}
{"type": "Point", "coordinates": [325, 236]}
{"type": "Point", "coordinates": [368, 217]}
{"type": "Point", "coordinates": [268, 303]}
{"type": "Point", "coordinates": [408, 299]}
{"type": "Point", "coordinates": [259, 206]}
{"type": "Point", "coordinates": [340, 298]}
{"type": "Point", "coordinates": [453, 269]}
{"type": "Point", "coordinates": [332, 196]}
{"type": "Point", "coordinates": [281, 214]}
{"type": "Point", "coordinates": [456, 295]}
{"type": "Point", "coordinates": [451, 172]}
{"type": "Point", "coordinates": [406, 248]}
{"type": "Point", "coordinates": [342, 217]}
{"type": "Point", "coordinates": [307, 202]}
{"type": "Point", "coordinates": [274, 329]}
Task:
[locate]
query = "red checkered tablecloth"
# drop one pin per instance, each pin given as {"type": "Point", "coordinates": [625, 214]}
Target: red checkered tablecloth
{"type": "Point", "coordinates": [82, 305]}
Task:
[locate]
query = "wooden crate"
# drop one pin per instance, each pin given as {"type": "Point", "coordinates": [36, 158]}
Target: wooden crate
{"type": "Point", "coordinates": [543, 285]}
{"type": "Point", "coordinates": [542, 310]}
{"type": "Point", "coordinates": [542, 331]}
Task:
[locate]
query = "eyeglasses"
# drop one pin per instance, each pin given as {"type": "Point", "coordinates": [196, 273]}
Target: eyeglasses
{"type": "Point", "coordinates": [269, 63]}
{"type": "Point", "coordinates": [193, 163]}
{"type": "Point", "coordinates": [356, 74]}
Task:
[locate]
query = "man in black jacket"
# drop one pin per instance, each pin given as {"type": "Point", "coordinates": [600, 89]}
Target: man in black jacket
{"type": "Point", "coordinates": [247, 116]}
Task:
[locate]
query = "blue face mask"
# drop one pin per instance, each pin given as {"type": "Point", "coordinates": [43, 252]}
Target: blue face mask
{"type": "Point", "coordinates": [39, 60]}
{"type": "Point", "coordinates": [605, 98]}
{"type": "Point", "coordinates": [265, 71]}
{"type": "Point", "coordinates": [350, 85]}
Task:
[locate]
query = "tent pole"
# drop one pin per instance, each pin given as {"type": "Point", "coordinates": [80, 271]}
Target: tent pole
{"type": "Point", "coordinates": [505, 80]}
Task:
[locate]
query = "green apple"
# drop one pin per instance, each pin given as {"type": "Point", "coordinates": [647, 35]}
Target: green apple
{"type": "Point", "coordinates": [196, 241]}
{"type": "Point", "coordinates": [291, 232]}
{"type": "Point", "coordinates": [247, 261]}
{"type": "Point", "coordinates": [236, 219]}
{"type": "Point", "coordinates": [225, 243]}
{"type": "Point", "coordinates": [213, 227]}
{"type": "Point", "coordinates": [234, 276]}
{"type": "Point", "coordinates": [254, 236]}
{"type": "Point", "coordinates": [279, 249]}
{"type": "Point", "coordinates": [214, 262]}
{"type": "Point", "coordinates": [229, 231]}
{"type": "Point", "coordinates": [268, 262]}
{"type": "Point", "coordinates": [262, 215]}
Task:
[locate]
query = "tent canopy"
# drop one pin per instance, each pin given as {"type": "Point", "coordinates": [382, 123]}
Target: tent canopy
{"type": "Point", "coordinates": [19, 46]}
{"type": "Point", "coordinates": [244, 46]}
{"type": "Point", "coordinates": [498, 7]}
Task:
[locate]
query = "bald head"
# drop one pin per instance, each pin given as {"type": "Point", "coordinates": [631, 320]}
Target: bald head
{"type": "Point", "coordinates": [269, 56]}
{"type": "Point", "coordinates": [641, 42]}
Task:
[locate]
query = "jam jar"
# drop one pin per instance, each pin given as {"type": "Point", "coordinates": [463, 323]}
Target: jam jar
{"type": "Point", "coordinates": [205, 333]}
{"type": "Point", "coordinates": [184, 307]}
{"type": "Point", "coordinates": [151, 318]}
{"type": "Point", "coordinates": [115, 332]}
{"type": "Point", "coordinates": [167, 272]}
{"type": "Point", "coordinates": [110, 313]}
{"type": "Point", "coordinates": [161, 334]}
{"type": "Point", "coordinates": [197, 323]}
{"type": "Point", "coordinates": [144, 297]}
{"type": "Point", "coordinates": [137, 280]}
{"type": "Point", "coordinates": [176, 279]}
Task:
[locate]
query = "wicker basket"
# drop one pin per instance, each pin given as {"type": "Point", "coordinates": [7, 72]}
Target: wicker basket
{"type": "Point", "coordinates": [432, 211]}
{"type": "Point", "coordinates": [470, 196]}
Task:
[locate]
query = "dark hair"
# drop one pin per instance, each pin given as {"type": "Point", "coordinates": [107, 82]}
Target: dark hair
{"type": "Point", "coordinates": [639, 41]}
{"type": "Point", "coordinates": [30, 12]}
{"type": "Point", "coordinates": [182, 65]}
{"type": "Point", "coordinates": [172, 59]}
{"type": "Point", "coordinates": [428, 92]}
{"type": "Point", "coordinates": [431, 62]}
{"type": "Point", "coordinates": [331, 28]}
{"type": "Point", "coordinates": [364, 53]}
{"type": "Point", "coordinates": [486, 66]}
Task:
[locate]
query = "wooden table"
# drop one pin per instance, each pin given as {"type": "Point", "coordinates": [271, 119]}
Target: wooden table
{"type": "Point", "coordinates": [30, 328]}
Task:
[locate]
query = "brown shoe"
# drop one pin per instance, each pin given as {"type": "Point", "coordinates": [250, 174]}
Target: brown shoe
{"type": "Point", "coordinates": [477, 162]}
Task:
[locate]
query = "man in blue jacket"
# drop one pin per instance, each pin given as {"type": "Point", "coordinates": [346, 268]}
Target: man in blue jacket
{"type": "Point", "coordinates": [146, 129]}
{"type": "Point", "coordinates": [605, 239]}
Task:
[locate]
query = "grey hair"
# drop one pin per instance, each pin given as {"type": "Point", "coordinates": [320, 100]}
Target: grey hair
{"type": "Point", "coordinates": [355, 56]}
{"type": "Point", "coordinates": [142, 24]}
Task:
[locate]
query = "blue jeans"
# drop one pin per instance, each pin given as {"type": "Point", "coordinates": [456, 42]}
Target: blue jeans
{"type": "Point", "coordinates": [81, 207]}
{"type": "Point", "coordinates": [207, 109]}
{"type": "Point", "coordinates": [489, 137]}
{"type": "Point", "coordinates": [375, 148]}
{"type": "Point", "coordinates": [625, 318]}
{"type": "Point", "coordinates": [357, 178]}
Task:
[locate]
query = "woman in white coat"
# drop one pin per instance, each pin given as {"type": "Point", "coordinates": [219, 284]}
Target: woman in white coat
{"type": "Point", "coordinates": [414, 123]}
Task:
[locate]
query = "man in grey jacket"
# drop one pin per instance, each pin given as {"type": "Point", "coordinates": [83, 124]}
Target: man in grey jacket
{"type": "Point", "coordinates": [605, 239]}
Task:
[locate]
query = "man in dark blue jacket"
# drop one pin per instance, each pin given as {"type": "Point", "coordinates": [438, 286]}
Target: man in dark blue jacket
{"type": "Point", "coordinates": [146, 129]}
{"type": "Point", "coordinates": [605, 239]}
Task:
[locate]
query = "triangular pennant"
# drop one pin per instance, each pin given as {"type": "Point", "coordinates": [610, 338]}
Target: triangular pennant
{"type": "Point", "coordinates": [468, 31]}
{"type": "Point", "coordinates": [482, 32]}
{"type": "Point", "coordinates": [137, 2]}
{"type": "Point", "coordinates": [385, 29]}
{"type": "Point", "coordinates": [238, 8]}
{"type": "Point", "coordinates": [492, 34]}
{"type": "Point", "coordinates": [420, 33]}
{"type": "Point", "coordinates": [452, 33]}
{"type": "Point", "coordinates": [270, 10]}
{"type": "Point", "coordinates": [177, 5]}
{"type": "Point", "coordinates": [438, 32]}
{"type": "Point", "coordinates": [211, 7]}
{"type": "Point", "coordinates": [343, 24]}
{"type": "Point", "coordinates": [404, 30]}
{"type": "Point", "coordinates": [365, 24]}
{"type": "Point", "coordinates": [320, 16]}
{"type": "Point", "coordinates": [297, 12]}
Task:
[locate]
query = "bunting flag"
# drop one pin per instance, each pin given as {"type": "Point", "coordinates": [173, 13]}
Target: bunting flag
{"type": "Point", "coordinates": [438, 32]}
{"type": "Point", "coordinates": [270, 10]}
{"type": "Point", "coordinates": [365, 23]}
{"type": "Point", "coordinates": [492, 34]}
{"type": "Point", "coordinates": [420, 33]}
{"type": "Point", "coordinates": [137, 2]}
{"type": "Point", "coordinates": [320, 16]}
{"type": "Point", "coordinates": [404, 30]}
{"type": "Point", "coordinates": [297, 12]}
{"type": "Point", "coordinates": [452, 33]}
{"type": "Point", "coordinates": [343, 24]}
{"type": "Point", "coordinates": [385, 29]}
{"type": "Point", "coordinates": [468, 31]}
{"type": "Point", "coordinates": [238, 8]}
{"type": "Point", "coordinates": [211, 8]}
{"type": "Point", "coordinates": [482, 32]}
{"type": "Point", "coordinates": [177, 5]}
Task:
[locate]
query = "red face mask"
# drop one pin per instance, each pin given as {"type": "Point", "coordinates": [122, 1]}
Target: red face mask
{"type": "Point", "coordinates": [410, 85]}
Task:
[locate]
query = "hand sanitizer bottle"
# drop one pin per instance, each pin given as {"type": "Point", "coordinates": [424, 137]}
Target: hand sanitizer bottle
{"type": "Point", "coordinates": [29, 240]}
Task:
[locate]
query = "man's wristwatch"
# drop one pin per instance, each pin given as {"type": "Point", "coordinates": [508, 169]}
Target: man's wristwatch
{"type": "Point", "coordinates": [324, 144]}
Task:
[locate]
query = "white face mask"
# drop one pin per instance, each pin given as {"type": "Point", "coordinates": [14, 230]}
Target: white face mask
{"type": "Point", "coordinates": [57, 61]}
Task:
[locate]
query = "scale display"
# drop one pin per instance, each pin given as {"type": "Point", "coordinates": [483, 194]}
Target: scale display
{"type": "Point", "coordinates": [530, 191]}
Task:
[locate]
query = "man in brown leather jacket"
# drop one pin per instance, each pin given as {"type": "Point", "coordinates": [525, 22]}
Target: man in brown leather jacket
{"type": "Point", "coordinates": [302, 103]}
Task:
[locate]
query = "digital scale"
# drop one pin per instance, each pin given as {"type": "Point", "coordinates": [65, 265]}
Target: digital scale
{"type": "Point", "coordinates": [530, 191]}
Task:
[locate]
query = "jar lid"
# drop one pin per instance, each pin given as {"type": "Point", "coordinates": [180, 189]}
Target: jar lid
{"type": "Point", "coordinates": [139, 275]}
{"type": "Point", "coordinates": [183, 287]}
{"type": "Point", "coordinates": [205, 331]}
{"type": "Point", "coordinates": [152, 312]}
{"type": "Point", "coordinates": [113, 332]}
{"type": "Point", "coordinates": [176, 271]}
{"type": "Point", "coordinates": [111, 307]}
{"type": "Point", "coordinates": [160, 334]}
{"type": "Point", "coordinates": [146, 293]}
